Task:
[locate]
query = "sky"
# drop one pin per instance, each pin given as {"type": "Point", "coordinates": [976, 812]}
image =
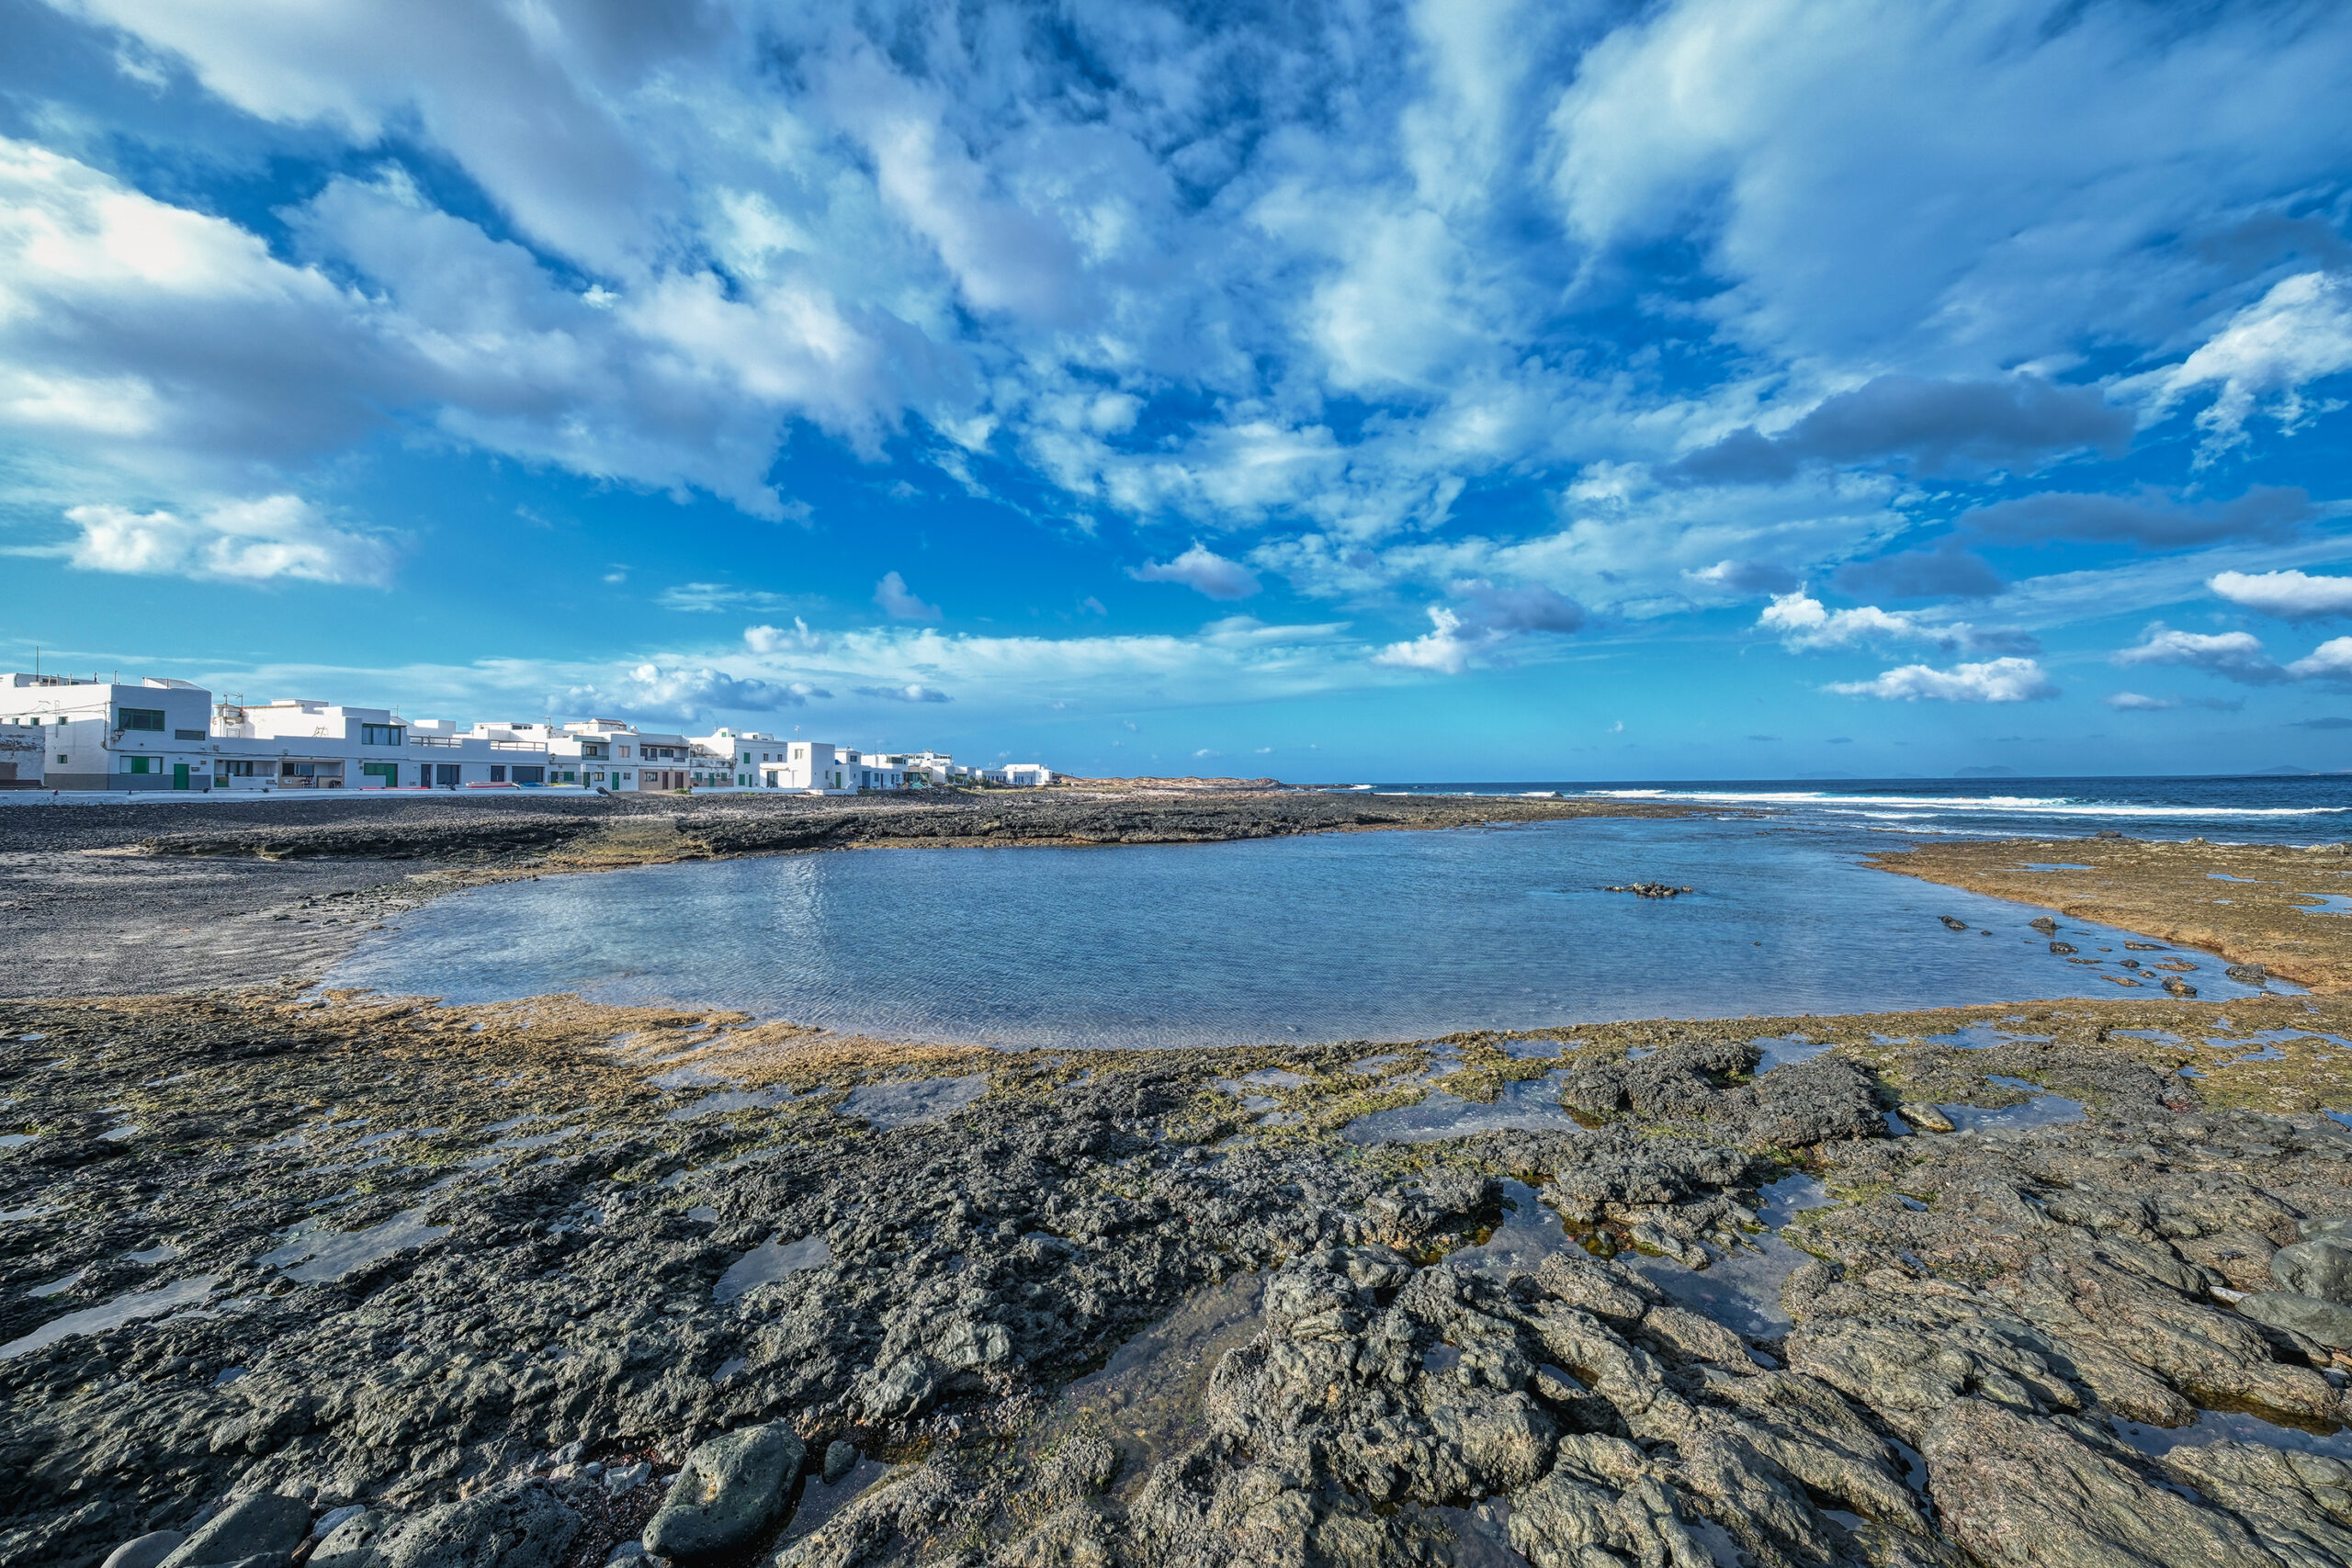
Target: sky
{"type": "Point", "coordinates": [1471, 390]}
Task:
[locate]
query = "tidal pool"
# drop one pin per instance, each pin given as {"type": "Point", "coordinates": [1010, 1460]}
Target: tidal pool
{"type": "Point", "coordinates": [1375, 936]}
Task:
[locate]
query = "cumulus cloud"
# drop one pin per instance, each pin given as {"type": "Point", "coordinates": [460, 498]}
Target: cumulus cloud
{"type": "Point", "coordinates": [777, 639]}
{"type": "Point", "coordinates": [895, 600]}
{"type": "Point", "coordinates": [2287, 595]}
{"type": "Point", "coordinates": [1932, 426]}
{"type": "Point", "coordinates": [1447, 648]}
{"type": "Point", "coordinates": [1995, 681]}
{"type": "Point", "coordinates": [1522, 607]}
{"type": "Point", "coordinates": [2233, 656]}
{"type": "Point", "coordinates": [1746, 577]}
{"type": "Point", "coordinates": [647, 690]}
{"type": "Point", "coordinates": [2296, 333]}
{"type": "Point", "coordinates": [2148, 518]}
{"type": "Point", "coordinates": [2330, 662]}
{"type": "Point", "coordinates": [913, 691]}
{"type": "Point", "coordinates": [1801, 620]}
{"type": "Point", "coordinates": [1203, 571]}
{"type": "Point", "coordinates": [246, 541]}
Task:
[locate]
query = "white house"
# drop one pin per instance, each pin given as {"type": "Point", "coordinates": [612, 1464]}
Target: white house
{"type": "Point", "coordinates": [24, 755]}
{"type": "Point", "coordinates": [112, 735]}
{"type": "Point", "coordinates": [1020, 775]}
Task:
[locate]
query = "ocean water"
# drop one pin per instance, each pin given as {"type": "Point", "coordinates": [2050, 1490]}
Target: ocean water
{"type": "Point", "coordinates": [1353, 936]}
{"type": "Point", "coordinates": [2309, 808]}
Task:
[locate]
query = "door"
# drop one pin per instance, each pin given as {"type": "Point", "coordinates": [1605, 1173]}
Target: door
{"type": "Point", "coordinates": [179, 775]}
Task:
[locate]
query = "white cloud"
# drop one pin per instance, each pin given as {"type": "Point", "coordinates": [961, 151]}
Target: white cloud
{"type": "Point", "coordinates": [2132, 702]}
{"type": "Point", "coordinates": [775, 639]}
{"type": "Point", "coordinates": [1995, 681]}
{"type": "Point", "coordinates": [2299, 332]}
{"type": "Point", "coordinates": [913, 691]}
{"type": "Point", "coordinates": [2330, 662]}
{"type": "Point", "coordinates": [1803, 622]}
{"type": "Point", "coordinates": [2233, 656]}
{"type": "Point", "coordinates": [1203, 571]}
{"type": "Point", "coordinates": [898, 601]}
{"type": "Point", "coordinates": [244, 541]}
{"type": "Point", "coordinates": [647, 690]}
{"type": "Point", "coordinates": [2288, 595]}
{"type": "Point", "coordinates": [1447, 647]}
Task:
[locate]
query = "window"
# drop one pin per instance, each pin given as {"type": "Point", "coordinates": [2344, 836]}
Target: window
{"type": "Point", "coordinates": [138, 764]}
{"type": "Point", "coordinates": [623, 751]}
{"type": "Point", "coordinates": [530, 776]}
{"type": "Point", "coordinates": [382, 734]}
{"type": "Point", "coordinates": [498, 773]}
{"type": "Point", "coordinates": [385, 774]}
{"type": "Point", "coordinates": [595, 753]}
{"type": "Point", "coordinates": [188, 735]}
{"type": "Point", "coordinates": [230, 768]}
{"type": "Point", "coordinates": [139, 718]}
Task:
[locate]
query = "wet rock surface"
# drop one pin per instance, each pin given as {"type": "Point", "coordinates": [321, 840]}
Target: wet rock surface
{"type": "Point", "coordinates": [460, 1270]}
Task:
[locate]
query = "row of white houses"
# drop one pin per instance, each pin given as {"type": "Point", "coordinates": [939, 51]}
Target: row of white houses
{"type": "Point", "coordinates": [57, 732]}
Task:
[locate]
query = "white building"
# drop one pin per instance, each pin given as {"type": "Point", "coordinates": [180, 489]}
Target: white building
{"type": "Point", "coordinates": [1019, 775]}
{"type": "Point", "coordinates": [112, 735]}
{"type": "Point", "coordinates": [24, 755]}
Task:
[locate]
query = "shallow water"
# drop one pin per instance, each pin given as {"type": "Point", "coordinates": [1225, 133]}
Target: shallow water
{"type": "Point", "coordinates": [1147, 1399]}
{"type": "Point", "coordinates": [319, 1255]}
{"type": "Point", "coordinates": [906, 1102]}
{"type": "Point", "coordinates": [2232, 1427]}
{"type": "Point", "coordinates": [1357, 935]}
{"type": "Point", "coordinates": [1742, 1291]}
{"type": "Point", "coordinates": [769, 1261]}
{"type": "Point", "coordinates": [1529, 1103]}
{"type": "Point", "coordinates": [114, 1313]}
{"type": "Point", "coordinates": [2042, 1111]}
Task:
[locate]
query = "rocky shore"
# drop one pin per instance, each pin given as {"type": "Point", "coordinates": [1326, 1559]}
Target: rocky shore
{"type": "Point", "coordinates": [368, 1283]}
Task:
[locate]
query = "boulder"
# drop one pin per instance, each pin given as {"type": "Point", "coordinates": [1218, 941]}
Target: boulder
{"type": "Point", "coordinates": [2321, 1268]}
{"type": "Point", "coordinates": [144, 1552]}
{"type": "Point", "coordinates": [248, 1528]}
{"type": "Point", "coordinates": [523, 1525]}
{"type": "Point", "coordinates": [732, 1490]}
{"type": "Point", "coordinates": [2325, 1320]}
{"type": "Point", "coordinates": [351, 1542]}
{"type": "Point", "coordinates": [840, 1460]}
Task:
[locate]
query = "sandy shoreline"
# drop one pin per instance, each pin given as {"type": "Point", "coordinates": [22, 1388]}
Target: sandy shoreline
{"type": "Point", "coordinates": [454, 1266]}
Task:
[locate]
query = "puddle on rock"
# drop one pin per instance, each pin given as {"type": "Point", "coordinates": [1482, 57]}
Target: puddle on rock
{"type": "Point", "coordinates": [2042, 1111]}
{"type": "Point", "coordinates": [2232, 1427]}
{"type": "Point", "coordinates": [320, 1255]}
{"type": "Point", "coordinates": [1785, 1050]}
{"type": "Point", "coordinates": [732, 1100]}
{"type": "Point", "coordinates": [162, 1252]}
{"type": "Point", "coordinates": [1532, 1103]}
{"type": "Point", "coordinates": [58, 1287]}
{"type": "Point", "coordinates": [819, 1502]}
{"type": "Point", "coordinates": [902, 1104]}
{"type": "Point", "coordinates": [769, 1262]}
{"type": "Point", "coordinates": [1147, 1399]}
{"type": "Point", "coordinates": [114, 1313]}
{"type": "Point", "coordinates": [1742, 1291]}
{"type": "Point", "coordinates": [1529, 1232]}
{"type": "Point", "coordinates": [1981, 1037]}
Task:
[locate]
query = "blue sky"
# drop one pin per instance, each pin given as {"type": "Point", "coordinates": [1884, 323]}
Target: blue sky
{"type": "Point", "coordinates": [1471, 390]}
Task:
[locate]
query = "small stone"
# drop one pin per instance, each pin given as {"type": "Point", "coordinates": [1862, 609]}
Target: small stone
{"type": "Point", "coordinates": [2064, 947]}
{"type": "Point", "coordinates": [840, 1460]}
{"type": "Point", "coordinates": [250, 1526]}
{"type": "Point", "coordinates": [730, 1491]}
{"type": "Point", "coordinates": [2045, 924]}
{"type": "Point", "coordinates": [2321, 1268]}
{"type": "Point", "coordinates": [144, 1552]}
{"type": "Point", "coordinates": [1950, 924]}
{"type": "Point", "coordinates": [2326, 1322]}
{"type": "Point", "coordinates": [2178, 986]}
{"type": "Point", "coordinates": [2252, 974]}
{"type": "Point", "coordinates": [1927, 1118]}
{"type": "Point", "coordinates": [628, 1477]}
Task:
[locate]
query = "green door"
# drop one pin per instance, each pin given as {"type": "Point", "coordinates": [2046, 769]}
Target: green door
{"type": "Point", "coordinates": [179, 775]}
